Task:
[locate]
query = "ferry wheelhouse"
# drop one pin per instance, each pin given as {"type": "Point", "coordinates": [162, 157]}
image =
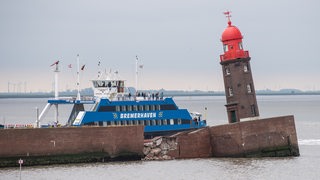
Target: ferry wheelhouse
{"type": "Point", "coordinates": [116, 105]}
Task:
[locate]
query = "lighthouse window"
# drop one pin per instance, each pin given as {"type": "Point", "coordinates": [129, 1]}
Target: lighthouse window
{"type": "Point", "coordinates": [230, 91]}
{"type": "Point", "coordinates": [225, 47]}
{"type": "Point", "coordinates": [253, 110]}
{"type": "Point", "coordinates": [245, 68]}
{"type": "Point", "coordinates": [240, 45]}
{"type": "Point", "coordinates": [249, 88]}
{"type": "Point", "coordinates": [227, 71]}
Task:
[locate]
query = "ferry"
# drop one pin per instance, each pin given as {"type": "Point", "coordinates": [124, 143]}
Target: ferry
{"type": "Point", "coordinates": [116, 105]}
{"type": "Point", "coordinates": [113, 104]}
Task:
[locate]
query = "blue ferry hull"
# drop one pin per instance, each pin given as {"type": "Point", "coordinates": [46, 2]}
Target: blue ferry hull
{"type": "Point", "coordinates": [159, 117]}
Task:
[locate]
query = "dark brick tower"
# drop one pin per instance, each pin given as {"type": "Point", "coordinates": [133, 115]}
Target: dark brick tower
{"type": "Point", "coordinates": [238, 82]}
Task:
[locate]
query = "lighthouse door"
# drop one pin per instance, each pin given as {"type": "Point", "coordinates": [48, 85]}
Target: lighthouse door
{"type": "Point", "coordinates": [233, 116]}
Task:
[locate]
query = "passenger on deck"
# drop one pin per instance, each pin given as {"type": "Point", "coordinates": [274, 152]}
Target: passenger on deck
{"type": "Point", "coordinates": [195, 120]}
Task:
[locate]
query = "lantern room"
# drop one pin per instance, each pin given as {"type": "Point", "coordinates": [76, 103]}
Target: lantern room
{"type": "Point", "coordinates": [232, 43]}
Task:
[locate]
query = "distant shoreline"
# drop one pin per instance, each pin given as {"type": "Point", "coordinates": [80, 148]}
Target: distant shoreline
{"type": "Point", "coordinates": [50, 95]}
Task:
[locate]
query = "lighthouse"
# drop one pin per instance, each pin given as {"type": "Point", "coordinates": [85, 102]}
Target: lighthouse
{"type": "Point", "coordinates": [237, 75]}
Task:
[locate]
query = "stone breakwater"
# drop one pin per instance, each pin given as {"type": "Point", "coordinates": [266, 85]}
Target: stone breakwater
{"type": "Point", "coordinates": [271, 137]}
{"type": "Point", "coordinates": [158, 148]}
{"type": "Point", "coordinates": [44, 146]}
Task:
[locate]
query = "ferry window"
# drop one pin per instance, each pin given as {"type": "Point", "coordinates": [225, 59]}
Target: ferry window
{"type": "Point", "coordinates": [106, 108]}
{"type": "Point", "coordinates": [227, 71]}
{"type": "Point", "coordinates": [135, 108]}
{"type": "Point", "coordinates": [171, 122]}
{"type": "Point", "coordinates": [240, 45]}
{"type": "Point", "coordinates": [124, 123]}
{"type": "Point", "coordinates": [123, 108]}
{"type": "Point", "coordinates": [148, 122]}
{"type": "Point", "coordinates": [118, 123]}
{"type": "Point", "coordinates": [100, 123]}
{"type": "Point", "coordinates": [146, 107]}
{"type": "Point", "coordinates": [179, 121]}
{"type": "Point", "coordinates": [108, 123]}
{"type": "Point", "coordinates": [168, 107]}
{"type": "Point", "coordinates": [185, 121]}
{"type": "Point", "coordinates": [130, 123]}
{"type": "Point", "coordinates": [141, 122]}
{"type": "Point", "coordinates": [140, 107]}
{"type": "Point", "coordinates": [165, 122]}
{"type": "Point", "coordinates": [136, 122]}
{"type": "Point", "coordinates": [230, 91]}
{"type": "Point", "coordinates": [129, 108]}
{"type": "Point", "coordinates": [225, 48]}
{"type": "Point", "coordinates": [159, 122]}
{"type": "Point", "coordinates": [112, 123]}
{"type": "Point", "coordinates": [158, 107]}
{"type": "Point", "coordinates": [153, 122]}
{"type": "Point", "coordinates": [249, 88]}
{"type": "Point", "coordinates": [153, 107]}
{"type": "Point", "coordinates": [117, 108]}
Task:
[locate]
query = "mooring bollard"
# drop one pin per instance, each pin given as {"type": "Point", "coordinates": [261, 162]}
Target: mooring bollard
{"type": "Point", "coordinates": [20, 161]}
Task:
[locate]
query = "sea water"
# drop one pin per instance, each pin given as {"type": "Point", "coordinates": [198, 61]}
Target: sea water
{"type": "Point", "coordinates": [305, 108]}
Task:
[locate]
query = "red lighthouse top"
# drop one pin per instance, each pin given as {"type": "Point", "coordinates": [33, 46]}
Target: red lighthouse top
{"type": "Point", "coordinates": [232, 42]}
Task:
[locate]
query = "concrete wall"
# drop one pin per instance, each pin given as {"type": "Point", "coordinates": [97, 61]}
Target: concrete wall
{"type": "Point", "coordinates": [264, 137]}
{"type": "Point", "coordinates": [56, 141]}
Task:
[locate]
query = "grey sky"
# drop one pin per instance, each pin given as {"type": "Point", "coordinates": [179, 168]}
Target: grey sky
{"type": "Point", "coordinates": [178, 42]}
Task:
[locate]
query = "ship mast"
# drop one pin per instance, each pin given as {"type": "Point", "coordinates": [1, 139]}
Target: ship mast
{"type": "Point", "coordinates": [56, 80]}
{"type": "Point", "coordinates": [56, 90]}
{"type": "Point", "coordinates": [136, 73]}
{"type": "Point", "coordinates": [78, 78]}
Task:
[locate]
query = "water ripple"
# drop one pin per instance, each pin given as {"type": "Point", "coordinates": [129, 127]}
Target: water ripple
{"type": "Point", "coordinates": [309, 142]}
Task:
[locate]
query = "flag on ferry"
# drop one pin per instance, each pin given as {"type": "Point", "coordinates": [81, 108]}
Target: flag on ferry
{"type": "Point", "coordinates": [55, 63]}
{"type": "Point", "coordinates": [82, 68]}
